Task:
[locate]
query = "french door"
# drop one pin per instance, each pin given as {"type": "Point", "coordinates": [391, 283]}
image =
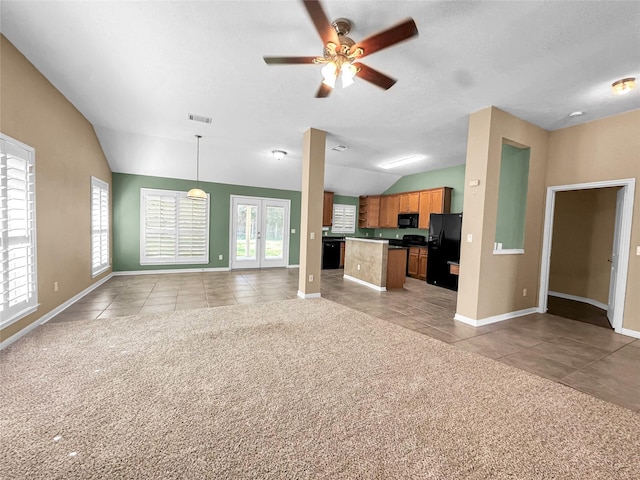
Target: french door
{"type": "Point", "coordinates": [259, 232]}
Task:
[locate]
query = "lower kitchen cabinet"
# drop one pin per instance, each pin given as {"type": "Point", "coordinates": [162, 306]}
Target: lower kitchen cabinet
{"type": "Point", "coordinates": [422, 264]}
{"type": "Point", "coordinates": [417, 266]}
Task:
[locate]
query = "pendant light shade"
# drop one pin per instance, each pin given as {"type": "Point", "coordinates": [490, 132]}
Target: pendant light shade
{"type": "Point", "coordinates": [197, 193]}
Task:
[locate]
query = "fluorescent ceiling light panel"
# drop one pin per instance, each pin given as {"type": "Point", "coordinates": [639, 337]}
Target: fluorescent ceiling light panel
{"type": "Point", "coordinates": [402, 161]}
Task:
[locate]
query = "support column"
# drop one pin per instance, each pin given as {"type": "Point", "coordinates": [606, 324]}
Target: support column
{"type": "Point", "coordinates": [313, 151]}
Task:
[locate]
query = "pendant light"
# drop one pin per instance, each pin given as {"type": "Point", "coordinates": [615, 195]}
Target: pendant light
{"type": "Point", "coordinates": [197, 193]}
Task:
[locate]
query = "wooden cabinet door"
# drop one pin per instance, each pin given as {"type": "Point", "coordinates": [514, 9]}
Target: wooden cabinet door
{"type": "Point", "coordinates": [389, 205]}
{"type": "Point", "coordinates": [342, 255]}
{"type": "Point", "coordinates": [327, 209]}
{"type": "Point", "coordinates": [413, 267]}
{"type": "Point", "coordinates": [409, 202]}
{"type": "Point", "coordinates": [373, 212]}
{"type": "Point", "coordinates": [422, 264]}
{"type": "Point", "coordinates": [425, 209]}
{"type": "Point", "coordinates": [437, 204]}
{"type": "Point", "coordinates": [393, 206]}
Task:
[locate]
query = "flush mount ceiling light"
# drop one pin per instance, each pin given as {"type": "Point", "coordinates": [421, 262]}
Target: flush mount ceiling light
{"type": "Point", "coordinates": [623, 86]}
{"type": "Point", "coordinates": [402, 161]}
{"type": "Point", "coordinates": [578, 113]}
{"type": "Point", "coordinates": [278, 154]}
{"type": "Point", "coordinates": [196, 193]}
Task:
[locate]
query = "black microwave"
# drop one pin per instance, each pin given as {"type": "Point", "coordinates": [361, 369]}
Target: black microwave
{"type": "Point", "coordinates": [408, 220]}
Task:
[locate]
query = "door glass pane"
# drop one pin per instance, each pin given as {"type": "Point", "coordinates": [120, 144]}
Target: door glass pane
{"type": "Point", "coordinates": [274, 247]}
{"type": "Point", "coordinates": [246, 232]}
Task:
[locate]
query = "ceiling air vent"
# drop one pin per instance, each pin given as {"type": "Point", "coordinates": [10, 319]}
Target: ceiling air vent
{"type": "Point", "coordinates": [200, 118]}
{"type": "Point", "coordinates": [339, 148]}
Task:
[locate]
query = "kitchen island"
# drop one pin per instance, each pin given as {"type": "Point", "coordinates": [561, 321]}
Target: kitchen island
{"type": "Point", "coordinates": [374, 263]}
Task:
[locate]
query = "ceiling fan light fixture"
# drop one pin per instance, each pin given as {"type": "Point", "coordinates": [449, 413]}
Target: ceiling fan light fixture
{"type": "Point", "coordinates": [197, 193]}
{"type": "Point", "coordinates": [347, 75]}
{"type": "Point", "coordinates": [625, 85]}
{"type": "Point", "coordinates": [329, 74]}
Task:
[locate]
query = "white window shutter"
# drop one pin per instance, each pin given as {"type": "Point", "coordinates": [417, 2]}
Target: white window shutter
{"type": "Point", "coordinates": [99, 226]}
{"type": "Point", "coordinates": [344, 218]}
{"type": "Point", "coordinates": [18, 285]}
{"type": "Point", "coordinates": [175, 229]}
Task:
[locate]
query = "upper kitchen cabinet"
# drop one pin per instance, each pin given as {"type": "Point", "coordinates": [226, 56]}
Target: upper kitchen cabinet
{"type": "Point", "coordinates": [409, 202]}
{"type": "Point", "coordinates": [436, 200]}
{"type": "Point", "coordinates": [389, 208]}
{"type": "Point", "coordinates": [369, 211]}
{"type": "Point", "coordinates": [327, 209]}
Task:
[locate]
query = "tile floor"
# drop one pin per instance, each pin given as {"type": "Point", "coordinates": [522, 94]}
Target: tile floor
{"type": "Point", "coordinates": [586, 357]}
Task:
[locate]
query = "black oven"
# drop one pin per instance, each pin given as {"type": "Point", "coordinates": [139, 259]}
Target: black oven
{"type": "Point", "coordinates": [408, 220]}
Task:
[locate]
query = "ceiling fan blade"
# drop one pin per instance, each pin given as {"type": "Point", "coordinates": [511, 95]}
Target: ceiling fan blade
{"type": "Point", "coordinates": [396, 34]}
{"type": "Point", "coordinates": [288, 60]}
{"type": "Point", "coordinates": [374, 76]}
{"type": "Point", "coordinates": [319, 18]}
{"type": "Point", "coordinates": [323, 91]}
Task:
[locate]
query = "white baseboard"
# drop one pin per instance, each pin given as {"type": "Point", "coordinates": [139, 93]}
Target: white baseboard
{"type": "Point", "coordinates": [177, 270]}
{"type": "Point", "coordinates": [293, 266]}
{"type": "Point", "coordinates": [48, 316]}
{"type": "Point", "coordinates": [307, 296]}
{"type": "Point", "coordinates": [366, 284]}
{"type": "Point", "coordinates": [589, 301]}
{"type": "Point", "coordinates": [629, 333]}
{"type": "Point", "coordinates": [497, 318]}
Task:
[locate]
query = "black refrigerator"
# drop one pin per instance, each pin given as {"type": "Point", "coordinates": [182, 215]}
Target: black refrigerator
{"type": "Point", "coordinates": [445, 230]}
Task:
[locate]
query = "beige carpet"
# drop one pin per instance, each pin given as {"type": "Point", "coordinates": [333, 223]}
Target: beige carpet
{"type": "Point", "coordinates": [291, 389]}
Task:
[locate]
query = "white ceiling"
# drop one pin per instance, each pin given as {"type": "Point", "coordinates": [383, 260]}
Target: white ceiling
{"type": "Point", "coordinates": [136, 69]}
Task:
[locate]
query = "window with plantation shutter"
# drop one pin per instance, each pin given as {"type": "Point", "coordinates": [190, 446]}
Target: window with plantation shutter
{"type": "Point", "coordinates": [344, 218]}
{"type": "Point", "coordinates": [18, 286]}
{"type": "Point", "coordinates": [99, 226]}
{"type": "Point", "coordinates": [174, 228]}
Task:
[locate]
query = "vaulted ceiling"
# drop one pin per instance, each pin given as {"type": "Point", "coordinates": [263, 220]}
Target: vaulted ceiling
{"type": "Point", "coordinates": [137, 69]}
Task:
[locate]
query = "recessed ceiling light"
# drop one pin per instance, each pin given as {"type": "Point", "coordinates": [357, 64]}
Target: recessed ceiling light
{"type": "Point", "coordinates": [576, 114]}
{"type": "Point", "coordinates": [402, 161]}
{"type": "Point", "coordinates": [339, 148]}
{"type": "Point", "coordinates": [623, 86]}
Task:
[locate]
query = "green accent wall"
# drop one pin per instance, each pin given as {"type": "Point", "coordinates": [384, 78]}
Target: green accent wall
{"type": "Point", "coordinates": [126, 219]}
{"type": "Point", "coordinates": [512, 196]}
{"type": "Point", "coordinates": [446, 177]}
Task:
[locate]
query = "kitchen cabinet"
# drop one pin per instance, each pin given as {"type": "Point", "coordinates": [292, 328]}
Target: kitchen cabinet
{"type": "Point", "coordinates": [389, 206]}
{"type": "Point", "coordinates": [417, 266]}
{"type": "Point", "coordinates": [409, 202]}
{"type": "Point", "coordinates": [369, 211]}
{"type": "Point", "coordinates": [436, 200]}
{"type": "Point", "coordinates": [341, 264]}
{"type": "Point", "coordinates": [327, 209]}
{"type": "Point", "coordinates": [422, 263]}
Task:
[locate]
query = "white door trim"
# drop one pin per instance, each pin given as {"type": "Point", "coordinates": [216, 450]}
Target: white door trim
{"type": "Point", "coordinates": [624, 241]}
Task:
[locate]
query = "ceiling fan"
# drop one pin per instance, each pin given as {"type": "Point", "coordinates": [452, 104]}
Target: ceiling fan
{"type": "Point", "coordinates": [341, 53]}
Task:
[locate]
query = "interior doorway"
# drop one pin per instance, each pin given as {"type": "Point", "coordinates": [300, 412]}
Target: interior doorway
{"type": "Point", "coordinates": [259, 232]}
{"type": "Point", "coordinates": [613, 303]}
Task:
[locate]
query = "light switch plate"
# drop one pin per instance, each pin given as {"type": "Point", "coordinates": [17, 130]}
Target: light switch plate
{"type": "Point", "coordinates": [312, 235]}
{"type": "Point", "coordinates": [469, 237]}
{"type": "Point", "coordinates": [638, 250]}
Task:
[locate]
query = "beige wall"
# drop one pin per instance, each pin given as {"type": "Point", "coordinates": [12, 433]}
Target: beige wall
{"type": "Point", "coordinates": [492, 285]}
{"type": "Point", "coordinates": [607, 149]}
{"type": "Point", "coordinates": [582, 243]}
{"type": "Point", "coordinates": [67, 154]}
